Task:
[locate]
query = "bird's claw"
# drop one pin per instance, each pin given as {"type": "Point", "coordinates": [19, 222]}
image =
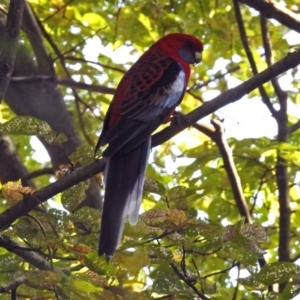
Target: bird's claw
{"type": "Point", "coordinates": [181, 121]}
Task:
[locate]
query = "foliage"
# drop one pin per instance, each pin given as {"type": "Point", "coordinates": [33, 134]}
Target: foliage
{"type": "Point", "coordinates": [219, 216]}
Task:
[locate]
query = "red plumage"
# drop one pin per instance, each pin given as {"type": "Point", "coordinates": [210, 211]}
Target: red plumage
{"type": "Point", "coordinates": [145, 98]}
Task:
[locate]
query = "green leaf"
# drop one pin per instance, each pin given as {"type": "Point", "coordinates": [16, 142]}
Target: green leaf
{"type": "Point", "coordinates": [277, 272]}
{"type": "Point", "coordinates": [166, 281]}
{"type": "Point", "coordinates": [81, 282]}
{"type": "Point", "coordinates": [24, 125]}
{"type": "Point", "coordinates": [73, 196]}
{"type": "Point", "coordinates": [154, 186]}
{"type": "Point", "coordinates": [33, 279]}
{"type": "Point", "coordinates": [179, 192]}
{"type": "Point", "coordinates": [93, 19]}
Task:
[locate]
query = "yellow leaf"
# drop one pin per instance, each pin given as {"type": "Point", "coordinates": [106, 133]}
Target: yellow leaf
{"type": "Point", "coordinates": [92, 19]}
{"type": "Point", "coordinates": [96, 279]}
{"type": "Point", "coordinates": [79, 250]}
{"type": "Point", "coordinates": [294, 192]}
{"type": "Point", "coordinates": [13, 191]}
{"type": "Point", "coordinates": [177, 217]}
{"type": "Point", "coordinates": [133, 262]}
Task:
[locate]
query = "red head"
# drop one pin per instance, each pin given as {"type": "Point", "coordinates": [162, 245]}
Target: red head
{"type": "Point", "coordinates": [183, 47]}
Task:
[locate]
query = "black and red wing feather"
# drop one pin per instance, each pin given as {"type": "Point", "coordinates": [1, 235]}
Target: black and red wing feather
{"type": "Point", "coordinates": [145, 97]}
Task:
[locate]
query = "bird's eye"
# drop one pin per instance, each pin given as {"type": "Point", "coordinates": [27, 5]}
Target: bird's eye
{"type": "Point", "coordinates": [189, 43]}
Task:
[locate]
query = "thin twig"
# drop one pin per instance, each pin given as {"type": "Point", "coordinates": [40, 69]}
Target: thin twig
{"type": "Point", "coordinates": [198, 86]}
{"type": "Point", "coordinates": [236, 290]}
{"type": "Point", "coordinates": [80, 43]}
{"type": "Point", "coordinates": [123, 71]}
{"type": "Point", "coordinates": [13, 284]}
{"type": "Point", "coordinates": [265, 98]}
{"type": "Point", "coordinates": [69, 82]}
{"type": "Point", "coordinates": [188, 282]}
{"type": "Point", "coordinates": [294, 127]}
{"type": "Point", "coordinates": [57, 11]}
{"type": "Point", "coordinates": [37, 173]}
{"type": "Point", "coordinates": [234, 264]}
{"type": "Point", "coordinates": [218, 137]}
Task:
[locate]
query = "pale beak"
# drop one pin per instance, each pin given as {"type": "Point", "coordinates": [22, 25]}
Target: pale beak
{"type": "Point", "coordinates": [198, 57]}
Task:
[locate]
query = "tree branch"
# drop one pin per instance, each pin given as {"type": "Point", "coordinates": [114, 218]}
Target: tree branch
{"type": "Point", "coordinates": [281, 165]}
{"type": "Point", "coordinates": [281, 168]}
{"type": "Point", "coordinates": [188, 282]}
{"type": "Point", "coordinates": [37, 173]}
{"type": "Point", "coordinates": [30, 201]}
{"type": "Point", "coordinates": [30, 26]}
{"type": "Point", "coordinates": [268, 53]}
{"type": "Point", "coordinates": [283, 188]}
{"type": "Point", "coordinates": [230, 96]}
{"type": "Point", "coordinates": [11, 165]}
{"type": "Point", "coordinates": [273, 10]}
{"type": "Point", "coordinates": [294, 127]}
{"type": "Point", "coordinates": [265, 98]}
{"type": "Point", "coordinates": [28, 255]}
{"type": "Point", "coordinates": [44, 100]}
{"type": "Point", "coordinates": [198, 86]}
{"type": "Point", "coordinates": [218, 137]}
{"type": "Point", "coordinates": [104, 66]}
{"type": "Point", "coordinates": [9, 43]}
{"type": "Point", "coordinates": [89, 87]}
{"type": "Point", "coordinates": [69, 82]}
{"type": "Point", "coordinates": [8, 286]}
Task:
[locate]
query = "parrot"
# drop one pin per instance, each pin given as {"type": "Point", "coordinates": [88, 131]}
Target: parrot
{"type": "Point", "coordinates": [145, 98]}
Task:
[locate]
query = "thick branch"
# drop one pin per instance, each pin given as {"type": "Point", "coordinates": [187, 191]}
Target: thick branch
{"type": "Point", "coordinates": [30, 201]}
{"type": "Point", "coordinates": [232, 95]}
{"type": "Point", "coordinates": [273, 10]}
{"type": "Point", "coordinates": [10, 43]}
{"type": "Point", "coordinates": [281, 168]}
{"type": "Point", "coordinates": [284, 209]}
{"type": "Point", "coordinates": [282, 183]}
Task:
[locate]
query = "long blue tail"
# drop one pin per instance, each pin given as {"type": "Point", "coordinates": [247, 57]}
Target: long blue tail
{"type": "Point", "coordinates": [124, 180]}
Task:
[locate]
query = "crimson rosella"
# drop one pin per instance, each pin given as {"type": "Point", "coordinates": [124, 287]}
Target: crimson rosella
{"type": "Point", "coordinates": [145, 98]}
